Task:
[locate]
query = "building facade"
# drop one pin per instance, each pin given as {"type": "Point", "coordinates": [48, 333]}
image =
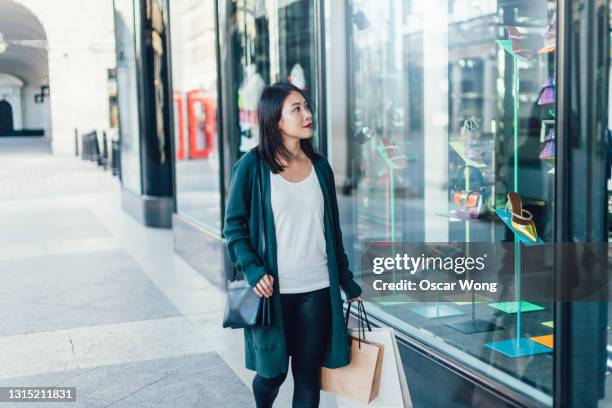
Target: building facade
{"type": "Point", "coordinates": [430, 113]}
{"type": "Point", "coordinates": [55, 70]}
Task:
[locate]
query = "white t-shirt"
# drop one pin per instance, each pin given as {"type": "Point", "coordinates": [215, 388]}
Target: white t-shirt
{"type": "Point", "coordinates": [300, 237]}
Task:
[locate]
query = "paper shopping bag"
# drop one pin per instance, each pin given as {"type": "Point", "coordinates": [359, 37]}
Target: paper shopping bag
{"type": "Point", "coordinates": [360, 380]}
{"type": "Point", "coordinates": [393, 389]}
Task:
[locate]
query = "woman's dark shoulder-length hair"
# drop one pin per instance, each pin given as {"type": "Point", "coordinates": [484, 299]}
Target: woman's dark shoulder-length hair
{"type": "Point", "coordinates": [270, 138]}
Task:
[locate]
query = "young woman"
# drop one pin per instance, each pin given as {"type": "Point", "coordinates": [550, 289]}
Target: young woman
{"type": "Point", "coordinates": [283, 232]}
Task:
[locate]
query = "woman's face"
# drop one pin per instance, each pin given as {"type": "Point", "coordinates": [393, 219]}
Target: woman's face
{"type": "Point", "coordinates": [296, 118]}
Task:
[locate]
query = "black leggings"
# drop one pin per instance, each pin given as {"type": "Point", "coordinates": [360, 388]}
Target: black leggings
{"type": "Point", "coordinates": [307, 320]}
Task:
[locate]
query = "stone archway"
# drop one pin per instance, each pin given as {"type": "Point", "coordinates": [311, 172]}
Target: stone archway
{"type": "Point", "coordinates": [24, 71]}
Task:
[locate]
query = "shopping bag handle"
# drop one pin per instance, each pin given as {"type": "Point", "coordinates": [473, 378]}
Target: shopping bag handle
{"type": "Point", "coordinates": [360, 309]}
{"type": "Point", "coordinates": [365, 315]}
{"type": "Point", "coordinates": [362, 318]}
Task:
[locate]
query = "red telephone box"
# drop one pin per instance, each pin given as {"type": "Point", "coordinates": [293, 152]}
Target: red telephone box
{"type": "Point", "coordinates": [202, 118]}
{"type": "Point", "coordinates": [179, 125]}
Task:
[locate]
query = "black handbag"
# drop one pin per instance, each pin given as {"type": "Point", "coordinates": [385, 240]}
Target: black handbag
{"type": "Point", "coordinates": [243, 307]}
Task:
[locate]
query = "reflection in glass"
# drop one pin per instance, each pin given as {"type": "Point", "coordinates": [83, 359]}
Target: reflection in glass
{"type": "Point", "coordinates": [194, 78]}
{"type": "Point", "coordinates": [127, 95]}
{"type": "Point", "coordinates": [608, 350]}
{"type": "Point", "coordinates": [453, 108]}
{"type": "Point", "coordinates": [268, 42]}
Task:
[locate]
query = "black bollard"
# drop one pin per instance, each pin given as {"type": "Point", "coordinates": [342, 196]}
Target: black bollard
{"type": "Point", "coordinates": [84, 147]}
{"type": "Point", "coordinates": [95, 148]}
{"type": "Point", "coordinates": [76, 142]}
{"type": "Point", "coordinates": [115, 163]}
{"type": "Point", "coordinates": [104, 150]}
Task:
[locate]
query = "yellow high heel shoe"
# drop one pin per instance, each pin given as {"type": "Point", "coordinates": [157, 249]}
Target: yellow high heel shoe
{"type": "Point", "coordinates": [522, 220]}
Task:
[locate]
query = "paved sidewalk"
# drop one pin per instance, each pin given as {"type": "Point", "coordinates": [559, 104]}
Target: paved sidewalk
{"type": "Point", "coordinates": [91, 298]}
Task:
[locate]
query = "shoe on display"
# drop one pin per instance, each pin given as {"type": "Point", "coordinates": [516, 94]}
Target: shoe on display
{"type": "Point", "coordinates": [522, 220]}
{"type": "Point", "coordinates": [469, 136]}
{"type": "Point", "coordinates": [548, 153]}
{"type": "Point", "coordinates": [518, 47]}
{"type": "Point", "coordinates": [514, 33]}
{"type": "Point", "coordinates": [548, 92]}
{"type": "Point", "coordinates": [550, 39]}
{"type": "Point", "coordinates": [469, 130]}
{"type": "Point", "coordinates": [394, 154]}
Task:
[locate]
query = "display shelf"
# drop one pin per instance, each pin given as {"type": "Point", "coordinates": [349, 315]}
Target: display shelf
{"type": "Point", "coordinates": [394, 157]}
{"type": "Point", "coordinates": [394, 160]}
{"type": "Point", "coordinates": [471, 324]}
{"type": "Point", "coordinates": [459, 148]}
{"type": "Point", "coordinates": [521, 347]}
{"type": "Point", "coordinates": [507, 45]}
{"type": "Point", "coordinates": [474, 326]}
{"type": "Point", "coordinates": [546, 50]}
{"type": "Point", "coordinates": [547, 340]}
{"type": "Point", "coordinates": [436, 311]}
{"type": "Point", "coordinates": [395, 303]}
{"type": "Point", "coordinates": [512, 307]}
{"type": "Point", "coordinates": [551, 324]}
{"type": "Point", "coordinates": [506, 217]}
{"type": "Point", "coordinates": [454, 217]}
{"type": "Point", "coordinates": [477, 299]}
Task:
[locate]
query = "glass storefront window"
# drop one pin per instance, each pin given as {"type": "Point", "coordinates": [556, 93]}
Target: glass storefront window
{"type": "Point", "coordinates": [606, 349]}
{"type": "Point", "coordinates": [128, 95]}
{"type": "Point", "coordinates": [452, 107]}
{"type": "Point", "coordinates": [267, 42]}
{"type": "Point", "coordinates": [194, 78]}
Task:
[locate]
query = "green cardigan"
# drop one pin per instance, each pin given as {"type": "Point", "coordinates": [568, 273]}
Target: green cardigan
{"type": "Point", "coordinates": [265, 348]}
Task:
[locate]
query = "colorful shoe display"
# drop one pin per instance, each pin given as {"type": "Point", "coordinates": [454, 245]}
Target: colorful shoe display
{"type": "Point", "coordinates": [548, 92]}
{"type": "Point", "coordinates": [522, 220]}
{"type": "Point", "coordinates": [518, 47]}
{"type": "Point", "coordinates": [548, 153]}
{"type": "Point", "coordinates": [550, 39]}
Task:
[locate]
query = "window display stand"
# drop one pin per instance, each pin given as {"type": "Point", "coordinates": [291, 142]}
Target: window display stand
{"type": "Point", "coordinates": [392, 161]}
{"type": "Point", "coordinates": [472, 325]}
{"type": "Point", "coordinates": [519, 346]}
{"type": "Point", "coordinates": [459, 148]}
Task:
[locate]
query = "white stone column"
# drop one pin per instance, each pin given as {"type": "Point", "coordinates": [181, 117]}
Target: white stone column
{"type": "Point", "coordinates": [435, 104]}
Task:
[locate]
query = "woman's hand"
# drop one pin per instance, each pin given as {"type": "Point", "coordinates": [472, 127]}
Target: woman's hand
{"type": "Point", "coordinates": [355, 299]}
{"type": "Point", "coordinates": [264, 286]}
